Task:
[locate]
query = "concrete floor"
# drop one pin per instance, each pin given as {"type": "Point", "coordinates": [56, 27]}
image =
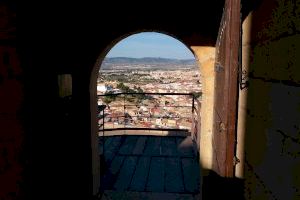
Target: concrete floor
{"type": "Point", "coordinates": [148, 167]}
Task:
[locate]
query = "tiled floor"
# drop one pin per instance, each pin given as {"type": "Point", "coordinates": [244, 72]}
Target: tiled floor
{"type": "Point", "coordinates": [128, 195]}
{"type": "Point", "coordinates": [150, 165]}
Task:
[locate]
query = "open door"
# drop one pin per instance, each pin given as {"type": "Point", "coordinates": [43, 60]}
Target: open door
{"type": "Point", "coordinates": [226, 88]}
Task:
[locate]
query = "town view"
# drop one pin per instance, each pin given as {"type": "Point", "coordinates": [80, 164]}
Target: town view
{"type": "Point", "coordinates": [120, 77]}
{"type": "Point", "coordinates": [149, 97]}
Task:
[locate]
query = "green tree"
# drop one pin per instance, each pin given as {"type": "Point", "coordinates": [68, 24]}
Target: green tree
{"type": "Point", "coordinates": [197, 94]}
{"type": "Point", "coordinates": [120, 85]}
{"type": "Point", "coordinates": [108, 99]}
{"type": "Point", "coordinates": [139, 90]}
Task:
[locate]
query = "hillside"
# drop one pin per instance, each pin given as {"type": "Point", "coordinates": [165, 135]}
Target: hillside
{"type": "Point", "coordinates": [118, 63]}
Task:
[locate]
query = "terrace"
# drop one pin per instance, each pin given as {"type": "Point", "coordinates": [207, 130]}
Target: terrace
{"type": "Point", "coordinates": [148, 144]}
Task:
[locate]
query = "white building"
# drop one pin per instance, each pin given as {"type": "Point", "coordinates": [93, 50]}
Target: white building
{"type": "Point", "coordinates": [101, 88]}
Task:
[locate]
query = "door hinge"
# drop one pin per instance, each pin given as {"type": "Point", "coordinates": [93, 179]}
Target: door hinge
{"type": "Point", "coordinates": [222, 127]}
{"type": "Point", "coordinates": [236, 160]}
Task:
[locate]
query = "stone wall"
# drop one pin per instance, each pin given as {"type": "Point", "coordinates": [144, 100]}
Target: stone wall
{"type": "Point", "coordinates": [206, 60]}
{"type": "Point", "coordinates": [269, 110]}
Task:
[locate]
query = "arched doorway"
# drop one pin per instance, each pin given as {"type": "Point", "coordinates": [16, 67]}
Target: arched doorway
{"type": "Point", "coordinates": [196, 127]}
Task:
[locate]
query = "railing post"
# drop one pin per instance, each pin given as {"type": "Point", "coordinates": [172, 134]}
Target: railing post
{"type": "Point", "coordinates": [193, 104]}
{"type": "Point", "coordinates": [103, 131]}
{"type": "Point", "coordinates": [193, 117]}
{"type": "Point", "coordinates": [124, 111]}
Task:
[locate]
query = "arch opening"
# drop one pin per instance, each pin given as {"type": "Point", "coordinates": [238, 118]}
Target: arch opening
{"type": "Point", "coordinates": [195, 126]}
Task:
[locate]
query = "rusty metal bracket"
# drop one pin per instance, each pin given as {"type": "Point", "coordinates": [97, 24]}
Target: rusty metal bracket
{"type": "Point", "coordinates": [236, 160]}
{"type": "Point", "coordinates": [244, 82]}
{"type": "Point", "coordinates": [243, 74]}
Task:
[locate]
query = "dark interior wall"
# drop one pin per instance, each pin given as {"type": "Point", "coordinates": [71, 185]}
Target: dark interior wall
{"type": "Point", "coordinates": [272, 142]}
{"type": "Point", "coordinates": [45, 140]}
{"type": "Point", "coordinates": [11, 96]}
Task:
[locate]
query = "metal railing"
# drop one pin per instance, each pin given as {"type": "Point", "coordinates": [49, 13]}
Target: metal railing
{"type": "Point", "coordinates": [148, 111]}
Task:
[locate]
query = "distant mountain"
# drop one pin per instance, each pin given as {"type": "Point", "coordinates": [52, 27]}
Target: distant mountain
{"type": "Point", "coordinates": [147, 62]}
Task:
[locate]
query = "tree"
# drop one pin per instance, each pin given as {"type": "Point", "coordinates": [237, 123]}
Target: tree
{"type": "Point", "coordinates": [120, 86]}
{"type": "Point", "coordinates": [108, 99]}
{"type": "Point", "coordinates": [197, 94]}
{"type": "Point", "coordinates": [139, 90]}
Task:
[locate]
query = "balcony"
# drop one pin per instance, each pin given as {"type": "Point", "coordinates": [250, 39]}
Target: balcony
{"type": "Point", "coordinates": [147, 111]}
{"type": "Point", "coordinates": [146, 146]}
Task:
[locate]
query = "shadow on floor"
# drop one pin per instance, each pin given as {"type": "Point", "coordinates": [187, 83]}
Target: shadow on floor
{"type": "Point", "coordinates": [217, 187]}
{"type": "Point", "coordinates": [149, 166]}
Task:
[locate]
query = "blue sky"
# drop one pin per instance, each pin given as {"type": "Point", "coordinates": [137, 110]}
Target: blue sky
{"type": "Point", "coordinates": [150, 44]}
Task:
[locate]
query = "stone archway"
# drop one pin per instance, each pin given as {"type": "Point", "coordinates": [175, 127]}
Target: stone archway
{"type": "Point", "coordinates": [205, 58]}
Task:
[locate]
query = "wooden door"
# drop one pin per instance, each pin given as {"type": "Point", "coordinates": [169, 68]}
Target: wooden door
{"type": "Point", "coordinates": [226, 88]}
